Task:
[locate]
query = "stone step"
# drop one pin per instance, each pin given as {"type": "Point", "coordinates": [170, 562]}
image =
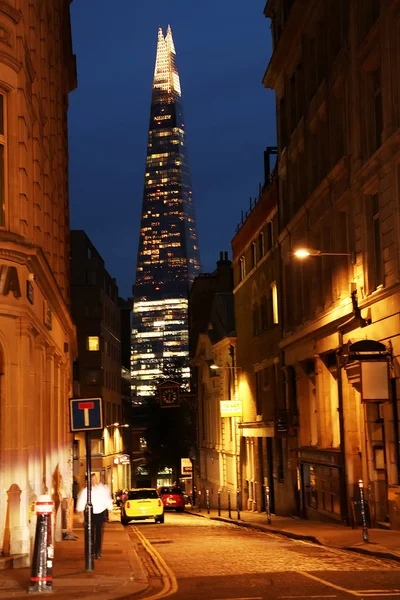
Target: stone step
{"type": "Point", "coordinates": [16, 561]}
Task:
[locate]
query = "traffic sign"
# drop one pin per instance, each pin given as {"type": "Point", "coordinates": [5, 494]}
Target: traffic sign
{"type": "Point", "coordinates": [86, 414]}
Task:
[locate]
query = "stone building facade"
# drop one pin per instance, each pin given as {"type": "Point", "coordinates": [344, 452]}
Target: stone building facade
{"type": "Point", "coordinates": [269, 440]}
{"type": "Point", "coordinates": [213, 344]}
{"type": "Point", "coordinates": [37, 337]}
{"type": "Point", "coordinates": [334, 69]}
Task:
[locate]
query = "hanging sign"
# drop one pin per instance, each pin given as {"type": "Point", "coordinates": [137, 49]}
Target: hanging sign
{"type": "Point", "coordinates": [231, 408]}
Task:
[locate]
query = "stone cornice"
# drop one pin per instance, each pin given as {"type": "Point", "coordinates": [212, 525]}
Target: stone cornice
{"type": "Point", "coordinates": [15, 15]}
{"type": "Point", "coordinates": [10, 61]}
{"type": "Point", "coordinates": [36, 262]}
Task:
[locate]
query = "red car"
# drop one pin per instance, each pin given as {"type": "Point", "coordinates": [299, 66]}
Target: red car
{"type": "Point", "coordinates": [172, 497]}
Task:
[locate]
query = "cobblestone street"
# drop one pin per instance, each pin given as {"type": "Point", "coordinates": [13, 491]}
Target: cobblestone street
{"type": "Point", "coordinates": [217, 560]}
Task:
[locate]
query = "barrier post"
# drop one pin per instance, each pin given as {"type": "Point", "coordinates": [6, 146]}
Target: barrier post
{"type": "Point", "coordinates": [238, 504]}
{"type": "Point", "coordinates": [219, 503]}
{"type": "Point", "coordinates": [268, 504]}
{"type": "Point", "coordinates": [363, 514]}
{"type": "Point", "coordinates": [208, 501]}
{"type": "Point", "coordinates": [41, 580]}
{"type": "Point", "coordinates": [229, 504]}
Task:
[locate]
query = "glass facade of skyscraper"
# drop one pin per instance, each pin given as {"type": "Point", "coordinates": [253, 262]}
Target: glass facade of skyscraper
{"type": "Point", "coordinates": [168, 256]}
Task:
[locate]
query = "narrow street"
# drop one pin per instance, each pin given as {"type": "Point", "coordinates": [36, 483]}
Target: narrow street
{"type": "Point", "coordinates": [191, 558]}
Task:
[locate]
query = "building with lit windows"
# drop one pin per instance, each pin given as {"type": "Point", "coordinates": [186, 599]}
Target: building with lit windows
{"type": "Point", "coordinates": [168, 256]}
{"type": "Point", "coordinates": [99, 372]}
{"type": "Point", "coordinates": [334, 70]}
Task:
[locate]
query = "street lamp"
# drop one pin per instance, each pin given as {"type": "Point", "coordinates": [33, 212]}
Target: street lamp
{"type": "Point", "coordinates": [306, 252]}
{"type": "Point", "coordinates": [214, 367]}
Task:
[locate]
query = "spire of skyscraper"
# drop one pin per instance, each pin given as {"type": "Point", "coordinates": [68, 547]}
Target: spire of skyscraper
{"type": "Point", "coordinates": [168, 256]}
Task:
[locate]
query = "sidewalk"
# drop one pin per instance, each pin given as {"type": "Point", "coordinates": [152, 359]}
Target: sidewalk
{"type": "Point", "coordinates": [118, 574]}
{"type": "Point", "coordinates": [383, 543]}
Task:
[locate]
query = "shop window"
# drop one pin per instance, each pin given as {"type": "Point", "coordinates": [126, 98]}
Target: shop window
{"type": "Point", "coordinates": [93, 343]}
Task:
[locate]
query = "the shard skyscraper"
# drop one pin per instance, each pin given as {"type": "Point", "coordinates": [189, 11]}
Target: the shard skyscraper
{"type": "Point", "coordinates": [168, 256]}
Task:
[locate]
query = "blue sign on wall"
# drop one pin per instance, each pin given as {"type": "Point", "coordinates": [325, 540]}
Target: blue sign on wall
{"type": "Point", "coordinates": [86, 414]}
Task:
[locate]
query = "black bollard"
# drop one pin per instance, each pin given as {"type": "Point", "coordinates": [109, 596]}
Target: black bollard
{"type": "Point", "coordinates": [43, 552]}
{"type": "Point", "coordinates": [268, 504]}
{"type": "Point", "coordinates": [238, 504]}
{"type": "Point", "coordinates": [199, 497]}
{"type": "Point", "coordinates": [208, 501]}
{"type": "Point", "coordinates": [229, 504]}
{"type": "Point", "coordinates": [363, 515]}
{"type": "Point", "coordinates": [219, 503]}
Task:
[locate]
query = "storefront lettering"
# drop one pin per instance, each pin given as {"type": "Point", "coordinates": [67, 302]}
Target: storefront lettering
{"type": "Point", "coordinates": [320, 457]}
{"type": "Point", "coordinates": [9, 281]}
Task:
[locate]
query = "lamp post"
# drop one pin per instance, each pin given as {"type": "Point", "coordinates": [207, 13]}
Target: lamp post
{"type": "Point", "coordinates": [235, 370]}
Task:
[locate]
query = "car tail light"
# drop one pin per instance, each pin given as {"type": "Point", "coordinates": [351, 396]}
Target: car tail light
{"type": "Point", "coordinates": [128, 505]}
{"type": "Point", "coordinates": [159, 503]}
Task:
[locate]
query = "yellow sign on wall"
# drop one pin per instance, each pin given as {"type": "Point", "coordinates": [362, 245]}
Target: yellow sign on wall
{"type": "Point", "coordinates": [231, 408]}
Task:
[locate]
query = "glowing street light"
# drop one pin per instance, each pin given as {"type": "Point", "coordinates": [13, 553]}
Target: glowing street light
{"type": "Point", "coordinates": [306, 252]}
{"type": "Point", "coordinates": [214, 367]}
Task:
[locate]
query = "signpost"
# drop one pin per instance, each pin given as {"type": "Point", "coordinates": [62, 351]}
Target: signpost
{"type": "Point", "coordinates": [86, 415]}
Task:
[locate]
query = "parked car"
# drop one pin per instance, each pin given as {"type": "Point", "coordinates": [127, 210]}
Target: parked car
{"type": "Point", "coordinates": [172, 497]}
{"type": "Point", "coordinates": [140, 504]}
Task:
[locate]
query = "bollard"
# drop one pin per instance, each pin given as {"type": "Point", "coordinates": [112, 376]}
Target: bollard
{"type": "Point", "coordinates": [219, 503]}
{"type": "Point", "coordinates": [208, 501]}
{"type": "Point", "coordinates": [43, 551]}
{"type": "Point", "coordinates": [363, 515]}
{"type": "Point", "coordinates": [199, 497]}
{"type": "Point", "coordinates": [229, 504]}
{"type": "Point", "coordinates": [238, 504]}
{"type": "Point", "coordinates": [268, 505]}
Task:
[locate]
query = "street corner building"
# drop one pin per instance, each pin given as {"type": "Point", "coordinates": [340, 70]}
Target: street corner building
{"type": "Point", "coordinates": [37, 338]}
{"type": "Point", "coordinates": [334, 70]}
{"type": "Point", "coordinates": [168, 256]}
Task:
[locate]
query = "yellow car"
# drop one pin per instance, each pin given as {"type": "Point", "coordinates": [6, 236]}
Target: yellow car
{"type": "Point", "coordinates": [140, 504]}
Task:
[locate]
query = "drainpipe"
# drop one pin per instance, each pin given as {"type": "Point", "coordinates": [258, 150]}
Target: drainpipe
{"type": "Point", "coordinates": [361, 322]}
{"type": "Point", "coordinates": [342, 473]}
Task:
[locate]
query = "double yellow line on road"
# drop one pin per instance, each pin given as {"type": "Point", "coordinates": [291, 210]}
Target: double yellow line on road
{"type": "Point", "coordinates": [170, 584]}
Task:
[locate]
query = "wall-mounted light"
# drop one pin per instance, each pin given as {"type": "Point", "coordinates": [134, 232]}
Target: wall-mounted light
{"type": "Point", "coordinates": [306, 252]}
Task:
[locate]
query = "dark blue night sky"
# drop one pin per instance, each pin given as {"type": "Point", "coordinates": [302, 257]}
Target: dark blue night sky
{"type": "Point", "coordinates": [223, 48]}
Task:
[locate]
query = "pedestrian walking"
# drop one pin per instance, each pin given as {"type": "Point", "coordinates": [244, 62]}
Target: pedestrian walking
{"type": "Point", "coordinates": [102, 503]}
